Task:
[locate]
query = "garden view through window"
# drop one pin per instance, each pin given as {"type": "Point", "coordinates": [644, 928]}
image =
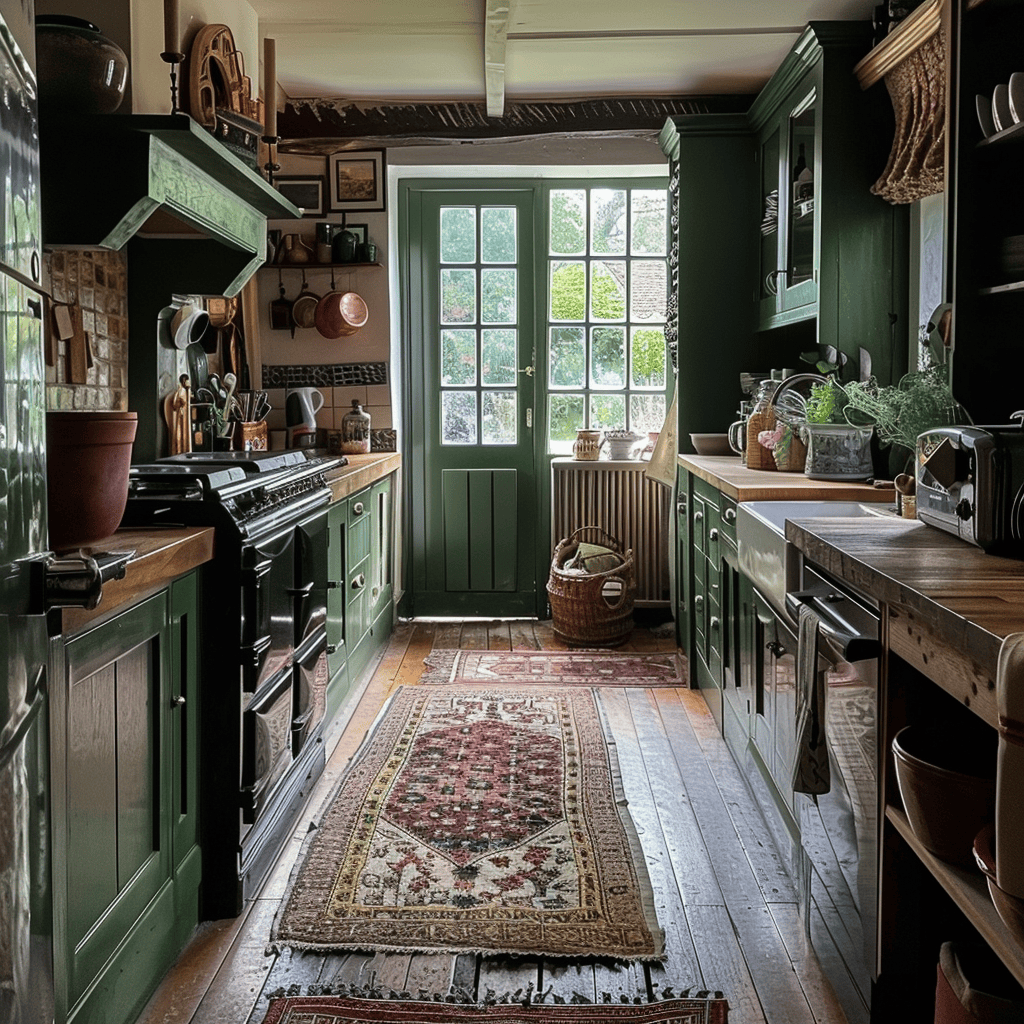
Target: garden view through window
{"type": "Point", "coordinates": [607, 285]}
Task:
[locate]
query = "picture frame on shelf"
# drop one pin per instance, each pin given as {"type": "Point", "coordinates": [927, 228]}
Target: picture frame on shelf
{"type": "Point", "coordinates": [359, 230]}
{"type": "Point", "coordinates": [357, 181]}
{"type": "Point", "coordinates": [305, 191]}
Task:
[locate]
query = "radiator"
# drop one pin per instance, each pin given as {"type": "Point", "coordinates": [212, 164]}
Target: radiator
{"type": "Point", "coordinates": [619, 498]}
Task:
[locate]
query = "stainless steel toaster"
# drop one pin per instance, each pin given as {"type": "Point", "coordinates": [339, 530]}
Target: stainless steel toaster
{"type": "Point", "coordinates": [970, 482]}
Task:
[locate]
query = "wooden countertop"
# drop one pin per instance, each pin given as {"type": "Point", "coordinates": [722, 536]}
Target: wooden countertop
{"type": "Point", "coordinates": [731, 477]}
{"type": "Point", "coordinates": [949, 604]}
{"type": "Point", "coordinates": [361, 471]}
{"type": "Point", "coordinates": [161, 555]}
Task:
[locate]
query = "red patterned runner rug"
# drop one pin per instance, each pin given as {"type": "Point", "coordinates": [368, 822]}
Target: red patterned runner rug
{"type": "Point", "coordinates": [553, 668]}
{"type": "Point", "coordinates": [487, 821]}
{"type": "Point", "coordinates": [336, 1010]}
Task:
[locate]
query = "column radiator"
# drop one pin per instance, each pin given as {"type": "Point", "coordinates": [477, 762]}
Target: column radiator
{"type": "Point", "coordinates": [619, 498]}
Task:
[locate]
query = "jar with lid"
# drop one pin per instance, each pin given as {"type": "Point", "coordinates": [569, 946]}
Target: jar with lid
{"type": "Point", "coordinates": [355, 431]}
{"type": "Point", "coordinates": [762, 417]}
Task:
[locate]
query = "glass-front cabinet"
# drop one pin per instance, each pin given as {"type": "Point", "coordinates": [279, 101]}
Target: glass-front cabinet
{"type": "Point", "coordinates": [789, 161]}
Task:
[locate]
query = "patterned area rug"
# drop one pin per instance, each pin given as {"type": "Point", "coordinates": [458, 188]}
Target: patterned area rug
{"type": "Point", "coordinates": [477, 821]}
{"type": "Point", "coordinates": [553, 668]}
{"type": "Point", "coordinates": [335, 1010]}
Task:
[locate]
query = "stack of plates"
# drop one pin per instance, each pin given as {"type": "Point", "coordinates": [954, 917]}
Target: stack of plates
{"type": "Point", "coordinates": [1005, 109]}
{"type": "Point", "coordinates": [770, 223]}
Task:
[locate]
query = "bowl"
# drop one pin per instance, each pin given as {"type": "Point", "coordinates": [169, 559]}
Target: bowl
{"type": "Point", "coordinates": [947, 783]}
{"type": "Point", "coordinates": [711, 444]}
{"type": "Point", "coordinates": [1009, 908]}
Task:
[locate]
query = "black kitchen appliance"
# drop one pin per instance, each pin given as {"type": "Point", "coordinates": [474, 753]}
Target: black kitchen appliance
{"type": "Point", "coordinates": [970, 483]}
{"type": "Point", "coordinates": [264, 669]}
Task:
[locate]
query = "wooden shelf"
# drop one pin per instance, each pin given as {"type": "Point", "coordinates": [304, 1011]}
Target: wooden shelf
{"type": "Point", "coordinates": [1015, 133]}
{"type": "Point", "coordinates": [1002, 289]}
{"type": "Point", "coordinates": [969, 891]}
{"type": "Point", "coordinates": [911, 33]}
{"type": "Point", "coordinates": [317, 266]}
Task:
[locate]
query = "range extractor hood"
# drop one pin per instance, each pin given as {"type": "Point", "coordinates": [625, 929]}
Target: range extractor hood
{"type": "Point", "coordinates": [107, 179]}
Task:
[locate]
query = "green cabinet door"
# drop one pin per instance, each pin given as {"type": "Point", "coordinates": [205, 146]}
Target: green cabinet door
{"type": "Point", "coordinates": [337, 650]}
{"type": "Point", "coordinates": [123, 749]}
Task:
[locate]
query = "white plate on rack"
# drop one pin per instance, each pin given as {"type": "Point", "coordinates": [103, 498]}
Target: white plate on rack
{"type": "Point", "coordinates": [983, 105]}
{"type": "Point", "coordinates": [1016, 94]}
{"type": "Point", "coordinates": [1001, 107]}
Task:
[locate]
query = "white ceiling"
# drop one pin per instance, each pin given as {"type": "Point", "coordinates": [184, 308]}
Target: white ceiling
{"type": "Point", "coordinates": [434, 50]}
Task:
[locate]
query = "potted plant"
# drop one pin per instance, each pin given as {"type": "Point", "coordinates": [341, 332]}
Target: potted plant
{"type": "Point", "coordinates": [837, 447]}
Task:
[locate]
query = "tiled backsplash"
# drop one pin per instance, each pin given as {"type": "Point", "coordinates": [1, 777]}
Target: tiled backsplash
{"type": "Point", "coordinates": [96, 281]}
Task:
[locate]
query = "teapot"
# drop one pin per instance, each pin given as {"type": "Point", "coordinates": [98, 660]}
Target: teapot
{"type": "Point", "coordinates": [300, 408]}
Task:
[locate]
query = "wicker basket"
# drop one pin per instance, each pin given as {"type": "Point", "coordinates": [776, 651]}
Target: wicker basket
{"type": "Point", "coordinates": [591, 609]}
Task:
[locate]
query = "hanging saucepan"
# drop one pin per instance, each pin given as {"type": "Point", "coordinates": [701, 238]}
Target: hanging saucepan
{"type": "Point", "coordinates": [342, 315]}
{"type": "Point", "coordinates": [304, 307]}
{"type": "Point", "coordinates": [281, 311]}
{"type": "Point", "coordinates": [198, 365]}
{"type": "Point", "coordinates": [188, 325]}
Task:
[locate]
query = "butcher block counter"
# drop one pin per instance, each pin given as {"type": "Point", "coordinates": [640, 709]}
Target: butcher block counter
{"type": "Point", "coordinates": [732, 478]}
{"type": "Point", "coordinates": [361, 471]}
{"type": "Point", "coordinates": [949, 604]}
{"type": "Point", "coordinates": [161, 555]}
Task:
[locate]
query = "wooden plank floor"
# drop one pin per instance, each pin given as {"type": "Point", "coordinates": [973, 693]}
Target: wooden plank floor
{"type": "Point", "coordinates": [728, 908]}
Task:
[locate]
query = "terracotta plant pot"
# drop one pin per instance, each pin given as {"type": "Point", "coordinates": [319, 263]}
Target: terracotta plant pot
{"type": "Point", "coordinates": [88, 455]}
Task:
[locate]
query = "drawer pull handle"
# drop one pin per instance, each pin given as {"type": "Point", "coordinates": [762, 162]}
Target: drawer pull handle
{"type": "Point", "coordinates": [713, 533]}
{"type": "Point", "coordinates": [775, 648]}
{"type": "Point", "coordinates": [698, 601]}
{"type": "Point", "coordinates": [358, 508]}
{"type": "Point", "coordinates": [715, 622]}
{"type": "Point", "coordinates": [332, 648]}
{"type": "Point", "coordinates": [730, 514]}
{"type": "Point", "coordinates": [698, 516]}
{"type": "Point", "coordinates": [178, 702]}
{"type": "Point", "coordinates": [359, 582]}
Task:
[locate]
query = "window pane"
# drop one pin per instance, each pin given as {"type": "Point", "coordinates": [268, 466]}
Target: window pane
{"type": "Point", "coordinates": [498, 357]}
{"type": "Point", "coordinates": [648, 290]}
{"type": "Point", "coordinates": [608, 357]}
{"type": "Point", "coordinates": [647, 358]}
{"type": "Point", "coordinates": [458, 417]}
{"type": "Point", "coordinates": [607, 290]}
{"type": "Point", "coordinates": [608, 412]}
{"type": "Point", "coordinates": [458, 357]}
{"type": "Point", "coordinates": [498, 234]}
{"type": "Point", "coordinates": [458, 296]}
{"type": "Point", "coordinates": [568, 287]}
{"type": "Point", "coordinates": [567, 358]}
{"type": "Point", "coordinates": [498, 296]}
{"type": "Point", "coordinates": [649, 212]}
{"type": "Point", "coordinates": [458, 234]}
{"type": "Point", "coordinates": [568, 222]}
{"type": "Point", "coordinates": [646, 412]}
{"type": "Point", "coordinates": [498, 423]}
{"type": "Point", "coordinates": [565, 414]}
{"type": "Point", "coordinates": [607, 222]}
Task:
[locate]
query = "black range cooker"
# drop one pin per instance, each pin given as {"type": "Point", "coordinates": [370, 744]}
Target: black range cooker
{"type": "Point", "coordinates": [264, 664]}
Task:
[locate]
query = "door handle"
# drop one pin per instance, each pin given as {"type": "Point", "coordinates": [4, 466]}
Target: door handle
{"type": "Point", "coordinates": [528, 370]}
{"type": "Point", "coordinates": [178, 702]}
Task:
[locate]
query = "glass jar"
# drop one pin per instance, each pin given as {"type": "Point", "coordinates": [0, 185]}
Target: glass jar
{"type": "Point", "coordinates": [355, 431]}
{"type": "Point", "coordinates": [762, 417]}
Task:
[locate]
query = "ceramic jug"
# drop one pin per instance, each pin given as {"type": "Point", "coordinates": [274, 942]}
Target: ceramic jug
{"type": "Point", "coordinates": [300, 408]}
{"type": "Point", "coordinates": [587, 446]}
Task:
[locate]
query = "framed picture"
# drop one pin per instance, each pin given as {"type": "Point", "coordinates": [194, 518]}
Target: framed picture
{"type": "Point", "coordinates": [357, 180]}
{"type": "Point", "coordinates": [359, 230]}
{"type": "Point", "coordinates": [305, 192]}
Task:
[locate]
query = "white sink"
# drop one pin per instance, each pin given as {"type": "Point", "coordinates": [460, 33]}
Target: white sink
{"type": "Point", "coordinates": [765, 556]}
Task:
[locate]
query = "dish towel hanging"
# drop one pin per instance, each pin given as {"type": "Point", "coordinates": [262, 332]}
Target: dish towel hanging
{"type": "Point", "coordinates": [1010, 766]}
{"type": "Point", "coordinates": [810, 768]}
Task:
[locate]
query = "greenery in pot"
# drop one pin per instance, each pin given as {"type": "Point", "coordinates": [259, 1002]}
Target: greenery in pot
{"type": "Point", "coordinates": [826, 402]}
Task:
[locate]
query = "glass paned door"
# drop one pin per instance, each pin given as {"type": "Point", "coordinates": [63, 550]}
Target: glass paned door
{"type": "Point", "coordinates": [471, 329]}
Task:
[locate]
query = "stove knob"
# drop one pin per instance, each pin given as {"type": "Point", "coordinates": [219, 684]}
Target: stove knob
{"type": "Point", "coordinates": [964, 509]}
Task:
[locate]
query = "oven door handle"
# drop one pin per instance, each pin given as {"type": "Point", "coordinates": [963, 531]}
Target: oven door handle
{"type": "Point", "coordinates": [852, 645]}
{"type": "Point", "coordinates": [303, 591]}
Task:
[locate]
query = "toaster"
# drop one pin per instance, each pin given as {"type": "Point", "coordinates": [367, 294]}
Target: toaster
{"type": "Point", "coordinates": [970, 482]}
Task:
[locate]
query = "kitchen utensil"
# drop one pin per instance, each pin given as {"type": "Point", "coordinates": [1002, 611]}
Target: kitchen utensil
{"type": "Point", "coordinates": [281, 312]}
{"type": "Point", "coordinates": [304, 306]}
{"type": "Point", "coordinates": [198, 365]}
{"type": "Point", "coordinates": [188, 325]}
{"type": "Point", "coordinates": [1001, 116]}
{"type": "Point", "coordinates": [230, 403]}
{"type": "Point", "coordinates": [342, 315]}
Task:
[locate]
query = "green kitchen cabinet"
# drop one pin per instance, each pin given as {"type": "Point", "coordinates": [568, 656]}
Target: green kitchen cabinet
{"type": "Point", "coordinates": [127, 867]}
{"type": "Point", "coordinates": [337, 650]}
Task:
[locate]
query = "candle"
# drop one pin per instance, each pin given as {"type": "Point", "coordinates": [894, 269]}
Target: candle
{"type": "Point", "coordinates": [171, 26]}
{"type": "Point", "coordinates": [270, 85]}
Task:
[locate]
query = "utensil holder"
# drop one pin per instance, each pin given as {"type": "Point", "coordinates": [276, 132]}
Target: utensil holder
{"type": "Point", "coordinates": [251, 436]}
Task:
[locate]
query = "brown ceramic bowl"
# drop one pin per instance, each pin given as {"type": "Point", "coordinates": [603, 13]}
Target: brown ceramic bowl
{"type": "Point", "coordinates": [1009, 908]}
{"type": "Point", "coordinates": [88, 455]}
{"type": "Point", "coordinates": [304, 309]}
{"type": "Point", "coordinates": [340, 314]}
{"type": "Point", "coordinates": [948, 788]}
{"type": "Point", "coordinates": [711, 444]}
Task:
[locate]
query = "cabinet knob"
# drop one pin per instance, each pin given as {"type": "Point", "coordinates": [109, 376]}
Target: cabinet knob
{"type": "Point", "coordinates": [698, 516]}
{"type": "Point", "coordinates": [775, 648]}
{"type": "Point", "coordinates": [177, 702]}
{"type": "Point", "coordinates": [698, 601]}
{"type": "Point", "coordinates": [359, 582]}
{"type": "Point", "coordinates": [716, 623]}
{"type": "Point", "coordinates": [713, 533]}
{"type": "Point", "coordinates": [358, 508]}
{"type": "Point", "coordinates": [729, 514]}
{"type": "Point", "coordinates": [332, 648]}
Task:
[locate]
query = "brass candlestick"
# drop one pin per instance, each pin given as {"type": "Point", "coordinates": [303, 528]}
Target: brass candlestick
{"type": "Point", "coordinates": [271, 166]}
{"type": "Point", "coordinates": [173, 59]}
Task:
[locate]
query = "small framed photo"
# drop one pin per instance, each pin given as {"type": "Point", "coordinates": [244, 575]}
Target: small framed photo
{"type": "Point", "coordinates": [359, 230]}
{"type": "Point", "coordinates": [305, 192]}
{"type": "Point", "coordinates": [357, 181]}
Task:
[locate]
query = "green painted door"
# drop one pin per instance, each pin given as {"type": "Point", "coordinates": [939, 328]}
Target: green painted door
{"type": "Point", "coordinates": [470, 345]}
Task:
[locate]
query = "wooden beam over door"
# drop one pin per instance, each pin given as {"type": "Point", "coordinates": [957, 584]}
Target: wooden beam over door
{"type": "Point", "coordinates": [496, 19]}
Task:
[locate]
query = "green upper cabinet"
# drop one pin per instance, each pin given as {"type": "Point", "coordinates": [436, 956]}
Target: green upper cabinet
{"type": "Point", "coordinates": [828, 248]}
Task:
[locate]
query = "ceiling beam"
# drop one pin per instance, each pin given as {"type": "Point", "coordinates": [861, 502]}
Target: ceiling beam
{"type": "Point", "coordinates": [496, 18]}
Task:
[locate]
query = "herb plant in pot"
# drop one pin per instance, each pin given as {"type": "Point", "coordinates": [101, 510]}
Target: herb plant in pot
{"type": "Point", "coordinates": [837, 449]}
